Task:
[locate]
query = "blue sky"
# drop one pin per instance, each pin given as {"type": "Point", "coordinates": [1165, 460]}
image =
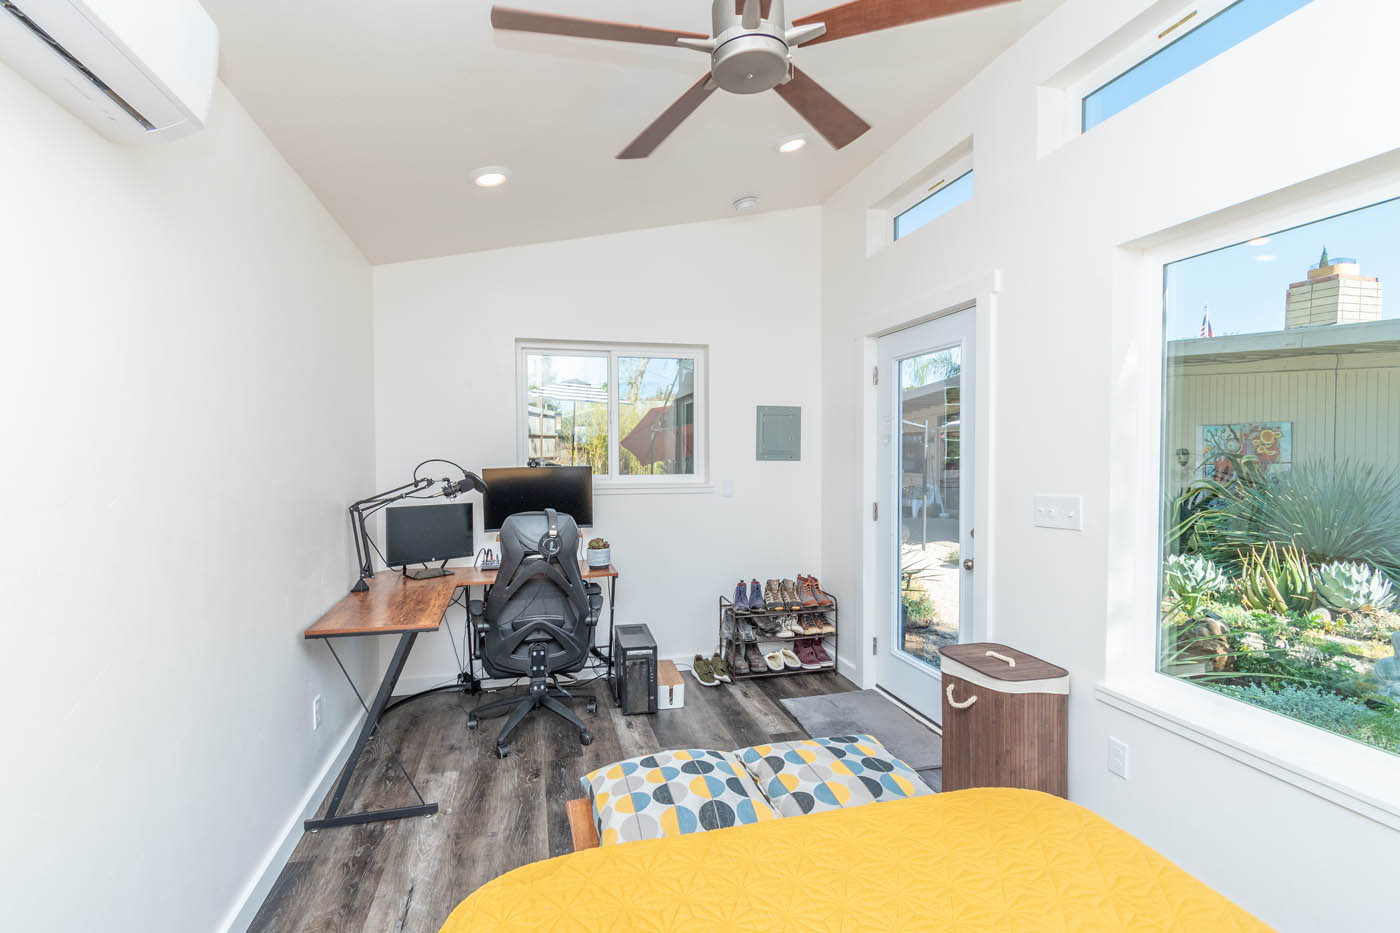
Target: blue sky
{"type": "Point", "coordinates": [1204, 41]}
{"type": "Point", "coordinates": [1246, 291]}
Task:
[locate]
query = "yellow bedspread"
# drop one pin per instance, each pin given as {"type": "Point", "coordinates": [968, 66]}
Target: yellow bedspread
{"type": "Point", "coordinates": [975, 860]}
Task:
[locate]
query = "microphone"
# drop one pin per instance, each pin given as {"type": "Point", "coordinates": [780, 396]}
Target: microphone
{"type": "Point", "coordinates": [468, 483]}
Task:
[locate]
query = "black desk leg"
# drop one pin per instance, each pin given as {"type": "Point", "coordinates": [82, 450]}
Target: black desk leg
{"type": "Point", "coordinates": [333, 816]}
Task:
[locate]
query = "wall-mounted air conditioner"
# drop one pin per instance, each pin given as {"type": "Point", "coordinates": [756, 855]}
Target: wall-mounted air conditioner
{"type": "Point", "coordinates": [137, 70]}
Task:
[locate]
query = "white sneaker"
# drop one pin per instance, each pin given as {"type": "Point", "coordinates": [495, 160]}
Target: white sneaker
{"type": "Point", "coordinates": [787, 628]}
{"type": "Point", "coordinates": [775, 660]}
{"type": "Point", "coordinates": [789, 659]}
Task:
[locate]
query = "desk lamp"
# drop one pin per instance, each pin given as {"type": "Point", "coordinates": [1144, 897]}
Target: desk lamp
{"type": "Point", "coordinates": [363, 509]}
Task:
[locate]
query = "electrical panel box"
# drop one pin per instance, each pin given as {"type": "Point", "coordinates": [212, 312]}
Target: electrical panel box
{"type": "Point", "coordinates": [779, 432]}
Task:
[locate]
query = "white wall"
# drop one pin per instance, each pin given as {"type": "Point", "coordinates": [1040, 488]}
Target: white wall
{"type": "Point", "coordinates": [1052, 227]}
{"type": "Point", "coordinates": [187, 409]}
{"type": "Point", "coordinates": [747, 288]}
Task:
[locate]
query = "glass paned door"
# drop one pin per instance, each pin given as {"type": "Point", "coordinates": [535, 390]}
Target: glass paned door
{"type": "Point", "coordinates": [925, 529]}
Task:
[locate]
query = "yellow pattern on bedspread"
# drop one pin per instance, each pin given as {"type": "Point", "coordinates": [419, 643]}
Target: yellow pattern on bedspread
{"type": "Point", "coordinates": [974, 860]}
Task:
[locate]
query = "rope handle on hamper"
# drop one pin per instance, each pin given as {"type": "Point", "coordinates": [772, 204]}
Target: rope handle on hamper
{"type": "Point", "coordinates": [1001, 657]}
{"type": "Point", "coordinates": [964, 704]}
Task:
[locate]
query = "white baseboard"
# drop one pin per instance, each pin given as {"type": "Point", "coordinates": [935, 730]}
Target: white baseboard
{"type": "Point", "coordinates": [847, 669]}
{"type": "Point", "coordinates": [246, 906]}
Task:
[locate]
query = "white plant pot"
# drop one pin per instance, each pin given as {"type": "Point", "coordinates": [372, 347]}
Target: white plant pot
{"type": "Point", "coordinates": [599, 557]}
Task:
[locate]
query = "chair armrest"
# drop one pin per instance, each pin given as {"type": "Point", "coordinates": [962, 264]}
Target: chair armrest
{"type": "Point", "coordinates": [595, 601]}
{"type": "Point", "coordinates": [476, 610]}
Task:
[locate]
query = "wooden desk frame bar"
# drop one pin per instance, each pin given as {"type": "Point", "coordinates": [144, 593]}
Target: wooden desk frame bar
{"type": "Point", "coordinates": [372, 715]}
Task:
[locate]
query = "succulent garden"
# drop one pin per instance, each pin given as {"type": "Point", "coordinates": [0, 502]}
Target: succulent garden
{"type": "Point", "coordinates": [1280, 589]}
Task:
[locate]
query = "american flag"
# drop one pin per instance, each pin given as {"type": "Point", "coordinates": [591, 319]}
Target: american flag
{"type": "Point", "coordinates": [1206, 329]}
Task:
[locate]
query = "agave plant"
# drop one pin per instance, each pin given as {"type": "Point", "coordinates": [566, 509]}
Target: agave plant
{"type": "Point", "coordinates": [1347, 511]}
{"type": "Point", "coordinates": [1192, 581]}
{"type": "Point", "coordinates": [1353, 586]}
{"type": "Point", "coordinates": [1276, 579]}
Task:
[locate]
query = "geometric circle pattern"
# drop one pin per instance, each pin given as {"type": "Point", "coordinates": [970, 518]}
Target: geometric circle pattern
{"type": "Point", "coordinates": [829, 774]}
{"type": "Point", "coordinates": [672, 793]}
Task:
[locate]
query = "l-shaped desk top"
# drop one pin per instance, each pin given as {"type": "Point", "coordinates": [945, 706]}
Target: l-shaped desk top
{"type": "Point", "coordinates": [396, 604]}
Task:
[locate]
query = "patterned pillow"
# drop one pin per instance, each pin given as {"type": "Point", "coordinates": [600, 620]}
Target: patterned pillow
{"type": "Point", "coordinates": [827, 774]}
{"type": "Point", "coordinates": [672, 793]}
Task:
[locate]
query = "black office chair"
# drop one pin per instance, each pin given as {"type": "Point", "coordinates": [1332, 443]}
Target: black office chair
{"type": "Point", "coordinates": [537, 621]}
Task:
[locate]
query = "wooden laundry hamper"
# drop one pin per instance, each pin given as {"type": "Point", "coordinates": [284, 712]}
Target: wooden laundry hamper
{"type": "Point", "coordinates": [1005, 720]}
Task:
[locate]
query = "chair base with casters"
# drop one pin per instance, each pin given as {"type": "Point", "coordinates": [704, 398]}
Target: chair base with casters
{"type": "Point", "coordinates": [544, 692]}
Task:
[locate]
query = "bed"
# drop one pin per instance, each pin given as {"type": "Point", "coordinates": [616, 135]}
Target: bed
{"type": "Point", "coordinates": [991, 859]}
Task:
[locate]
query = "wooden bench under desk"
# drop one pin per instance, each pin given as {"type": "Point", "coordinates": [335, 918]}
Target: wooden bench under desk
{"type": "Point", "coordinates": [397, 605]}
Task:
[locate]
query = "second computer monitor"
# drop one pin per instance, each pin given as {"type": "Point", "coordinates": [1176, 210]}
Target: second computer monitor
{"type": "Point", "coordinates": [533, 489]}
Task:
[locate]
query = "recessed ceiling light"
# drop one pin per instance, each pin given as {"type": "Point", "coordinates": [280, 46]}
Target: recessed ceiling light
{"type": "Point", "coordinates": [1265, 257]}
{"type": "Point", "coordinates": [1259, 241]}
{"type": "Point", "coordinates": [490, 176]}
{"type": "Point", "coordinates": [792, 143]}
{"type": "Point", "coordinates": [746, 204]}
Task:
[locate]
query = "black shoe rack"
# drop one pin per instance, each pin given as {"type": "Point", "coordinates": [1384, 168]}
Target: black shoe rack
{"type": "Point", "coordinates": [769, 643]}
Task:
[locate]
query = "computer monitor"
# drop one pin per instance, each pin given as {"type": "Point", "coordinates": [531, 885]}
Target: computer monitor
{"type": "Point", "coordinates": [533, 489]}
{"type": "Point", "coordinates": [421, 534]}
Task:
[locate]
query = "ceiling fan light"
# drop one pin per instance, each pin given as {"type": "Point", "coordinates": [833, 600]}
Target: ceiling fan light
{"type": "Point", "coordinates": [792, 143]}
{"type": "Point", "coordinates": [490, 176]}
{"type": "Point", "coordinates": [746, 205]}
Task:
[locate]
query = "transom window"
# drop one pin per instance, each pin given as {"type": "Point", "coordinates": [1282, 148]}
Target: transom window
{"type": "Point", "coordinates": [946, 196]}
{"type": "Point", "coordinates": [630, 413]}
{"type": "Point", "coordinates": [1192, 37]}
{"type": "Point", "coordinates": [1280, 579]}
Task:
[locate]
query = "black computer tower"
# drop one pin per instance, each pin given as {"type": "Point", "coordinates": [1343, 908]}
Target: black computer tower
{"type": "Point", "coordinates": [634, 669]}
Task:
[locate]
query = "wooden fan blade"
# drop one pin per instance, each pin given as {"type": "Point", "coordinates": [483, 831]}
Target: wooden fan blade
{"type": "Point", "coordinates": [551, 24]}
{"type": "Point", "coordinates": [664, 125]}
{"type": "Point", "coordinates": [828, 116]}
{"type": "Point", "coordinates": [858, 16]}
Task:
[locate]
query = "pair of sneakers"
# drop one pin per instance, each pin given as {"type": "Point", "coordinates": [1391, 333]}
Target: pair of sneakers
{"type": "Point", "coordinates": [712, 671]}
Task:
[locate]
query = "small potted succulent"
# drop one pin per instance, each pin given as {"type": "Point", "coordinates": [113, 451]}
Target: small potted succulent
{"type": "Point", "coordinates": [599, 553]}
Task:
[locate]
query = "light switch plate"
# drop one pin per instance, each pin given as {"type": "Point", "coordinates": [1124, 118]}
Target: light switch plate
{"type": "Point", "coordinates": [1058, 512]}
{"type": "Point", "coordinates": [1118, 757]}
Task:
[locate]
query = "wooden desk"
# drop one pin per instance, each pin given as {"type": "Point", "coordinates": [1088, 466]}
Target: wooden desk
{"type": "Point", "coordinates": [397, 605]}
{"type": "Point", "coordinates": [474, 576]}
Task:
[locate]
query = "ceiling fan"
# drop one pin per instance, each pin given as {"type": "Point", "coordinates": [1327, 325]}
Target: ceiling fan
{"type": "Point", "coordinates": [750, 49]}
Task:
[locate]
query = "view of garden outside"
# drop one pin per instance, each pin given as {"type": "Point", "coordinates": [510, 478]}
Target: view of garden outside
{"type": "Point", "coordinates": [569, 404]}
{"type": "Point", "coordinates": [930, 528]}
{"type": "Point", "coordinates": [1281, 475]}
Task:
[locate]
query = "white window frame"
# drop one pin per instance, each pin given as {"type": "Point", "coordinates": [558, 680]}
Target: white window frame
{"type": "Point", "coordinates": [949, 167]}
{"type": "Point", "coordinates": [957, 173]}
{"type": "Point", "coordinates": [1149, 44]}
{"type": "Point", "coordinates": [1345, 772]}
{"type": "Point", "coordinates": [614, 482]}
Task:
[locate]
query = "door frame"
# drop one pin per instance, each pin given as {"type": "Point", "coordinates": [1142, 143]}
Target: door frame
{"type": "Point", "coordinates": [980, 293]}
{"type": "Point", "coordinates": [896, 672]}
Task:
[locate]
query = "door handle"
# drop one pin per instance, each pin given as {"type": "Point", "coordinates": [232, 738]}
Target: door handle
{"type": "Point", "coordinates": [967, 563]}
{"type": "Point", "coordinates": [964, 704]}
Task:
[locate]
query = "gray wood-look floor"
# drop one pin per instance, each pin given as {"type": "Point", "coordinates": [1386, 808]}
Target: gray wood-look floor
{"type": "Point", "coordinates": [495, 814]}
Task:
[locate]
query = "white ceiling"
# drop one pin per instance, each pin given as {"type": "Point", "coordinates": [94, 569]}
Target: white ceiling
{"type": "Point", "coordinates": [384, 109]}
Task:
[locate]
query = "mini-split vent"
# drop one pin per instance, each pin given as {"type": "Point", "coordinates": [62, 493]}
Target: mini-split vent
{"type": "Point", "coordinates": [136, 71]}
{"type": "Point", "coordinates": [78, 66]}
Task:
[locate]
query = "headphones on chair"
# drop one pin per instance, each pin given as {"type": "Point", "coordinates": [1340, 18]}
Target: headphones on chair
{"type": "Point", "coordinates": [550, 544]}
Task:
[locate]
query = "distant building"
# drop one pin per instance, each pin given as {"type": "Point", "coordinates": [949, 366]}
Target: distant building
{"type": "Point", "coordinates": [1335, 292]}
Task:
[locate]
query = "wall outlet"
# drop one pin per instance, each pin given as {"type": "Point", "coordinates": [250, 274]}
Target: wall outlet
{"type": "Point", "coordinates": [316, 713]}
{"type": "Point", "coordinates": [1118, 757]}
{"type": "Point", "coordinates": [1058, 512]}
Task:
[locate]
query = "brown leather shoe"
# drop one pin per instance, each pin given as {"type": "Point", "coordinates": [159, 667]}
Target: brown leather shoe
{"type": "Point", "coordinates": [823, 597]}
{"type": "Point", "coordinates": [773, 597]}
{"type": "Point", "coordinates": [805, 594]}
{"type": "Point", "coordinates": [787, 592]}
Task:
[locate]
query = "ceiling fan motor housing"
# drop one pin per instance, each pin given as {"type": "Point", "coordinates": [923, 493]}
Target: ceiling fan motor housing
{"type": "Point", "coordinates": [748, 59]}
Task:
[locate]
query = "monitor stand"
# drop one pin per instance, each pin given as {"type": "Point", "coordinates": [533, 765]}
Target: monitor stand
{"type": "Point", "coordinates": [427, 573]}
